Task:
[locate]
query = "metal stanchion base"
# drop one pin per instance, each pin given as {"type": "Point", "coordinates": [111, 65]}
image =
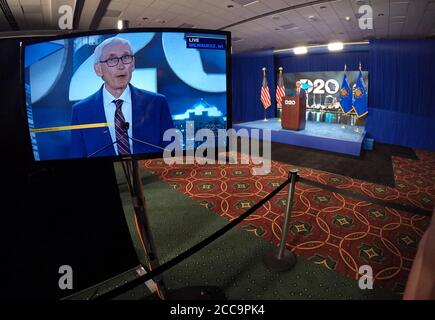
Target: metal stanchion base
{"type": "Point", "coordinates": [193, 293]}
{"type": "Point", "coordinates": [287, 262]}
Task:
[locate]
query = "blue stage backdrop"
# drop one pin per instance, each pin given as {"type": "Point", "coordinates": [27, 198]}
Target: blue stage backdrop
{"type": "Point", "coordinates": [401, 107]}
{"type": "Point", "coordinates": [323, 95]}
{"type": "Point", "coordinates": [247, 80]}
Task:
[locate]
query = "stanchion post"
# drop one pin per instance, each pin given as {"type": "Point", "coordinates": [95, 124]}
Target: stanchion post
{"type": "Point", "coordinates": [283, 259]}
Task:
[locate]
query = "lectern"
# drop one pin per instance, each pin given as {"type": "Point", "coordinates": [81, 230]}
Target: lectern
{"type": "Point", "coordinates": [293, 113]}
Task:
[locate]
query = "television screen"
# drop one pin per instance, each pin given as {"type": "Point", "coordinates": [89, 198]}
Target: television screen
{"type": "Point", "coordinates": [115, 95]}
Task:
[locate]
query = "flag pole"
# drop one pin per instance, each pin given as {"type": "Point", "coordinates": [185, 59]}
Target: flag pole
{"type": "Point", "coordinates": [265, 110]}
{"type": "Point", "coordinates": [346, 117]}
{"type": "Point", "coordinates": [357, 130]}
{"type": "Point", "coordinates": [279, 105]}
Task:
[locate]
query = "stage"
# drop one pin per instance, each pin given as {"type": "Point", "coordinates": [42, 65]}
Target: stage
{"type": "Point", "coordinates": [316, 135]}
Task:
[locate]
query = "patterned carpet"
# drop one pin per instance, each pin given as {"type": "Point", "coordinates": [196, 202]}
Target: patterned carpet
{"type": "Point", "coordinates": [335, 231]}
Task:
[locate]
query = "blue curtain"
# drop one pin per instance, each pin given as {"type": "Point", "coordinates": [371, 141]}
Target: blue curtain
{"type": "Point", "coordinates": [398, 128]}
{"type": "Point", "coordinates": [403, 72]}
{"type": "Point", "coordinates": [401, 102]}
{"type": "Point", "coordinates": [247, 77]}
{"type": "Point", "coordinates": [322, 61]}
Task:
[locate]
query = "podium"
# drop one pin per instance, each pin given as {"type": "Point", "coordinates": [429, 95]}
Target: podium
{"type": "Point", "coordinates": [293, 113]}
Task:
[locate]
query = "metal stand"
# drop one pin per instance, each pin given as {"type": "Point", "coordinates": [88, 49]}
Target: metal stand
{"type": "Point", "coordinates": [282, 259]}
{"type": "Point", "coordinates": [185, 293]}
{"type": "Point", "coordinates": [138, 199]}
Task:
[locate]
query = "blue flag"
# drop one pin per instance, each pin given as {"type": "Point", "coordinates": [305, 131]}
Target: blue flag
{"type": "Point", "coordinates": [360, 101]}
{"type": "Point", "coordinates": [345, 97]}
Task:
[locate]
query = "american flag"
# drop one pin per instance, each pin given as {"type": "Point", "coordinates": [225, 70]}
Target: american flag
{"type": "Point", "coordinates": [265, 94]}
{"type": "Point", "coordinates": [280, 90]}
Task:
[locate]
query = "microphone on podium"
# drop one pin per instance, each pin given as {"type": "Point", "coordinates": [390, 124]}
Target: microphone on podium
{"type": "Point", "coordinates": [125, 126]}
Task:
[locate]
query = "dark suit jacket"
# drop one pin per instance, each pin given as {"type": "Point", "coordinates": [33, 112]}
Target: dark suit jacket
{"type": "Point", "coordinates": [150, 117]}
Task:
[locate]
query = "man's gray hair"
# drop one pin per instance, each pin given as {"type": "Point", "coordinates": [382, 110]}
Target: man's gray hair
{"type": "Point", "coordinates": [99, 49]}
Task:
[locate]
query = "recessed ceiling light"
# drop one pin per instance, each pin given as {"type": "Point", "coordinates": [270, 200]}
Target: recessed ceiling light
{"type": "Point", "coordinates": [300, 50]}
{"type": "Point", "coordinates": [323, 7]}
{"type": "Point", "coordinates": [311, 17]}
{"type": "Point", "coordinates": [380, 15]}
{"type": "Point", "coordinates": [360, 2]}
{"type": "Point", "coordinates": [120, 24]}
{"type": "Point", "coordinates": [347, 18]}
{"type": "Point", "coordinates": [335, 46]}
{"type": "Point", "coordinates": [230, 6]}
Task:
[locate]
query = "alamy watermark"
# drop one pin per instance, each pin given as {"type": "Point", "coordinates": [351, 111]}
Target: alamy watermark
{"type": "Point", "coordinates": [251, 143]}
{"type": "Point", "coordinates": [66, 278]}
{"type": "Point", "coordinates": [366, 279]}
{"type": "Point", "coordinates": [65, 21]}
{"type": "Point", "coordinates": [365, 22]}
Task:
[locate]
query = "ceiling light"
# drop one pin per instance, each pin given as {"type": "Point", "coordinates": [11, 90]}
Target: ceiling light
{"type": "Point", "coordinates": [300, 50]}
{"type": "Point", "coordinates": [335, 46]}
{"type": "Point", "coordinates": [380, 15]}
{"type": "Point", "coordinates": [347, 18]}
{"type": "Point", "coordinates": [120, 24]}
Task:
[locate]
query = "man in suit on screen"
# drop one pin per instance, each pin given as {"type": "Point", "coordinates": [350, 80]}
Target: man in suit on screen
{"type": "Point", "coordinates": [298, 91]}
{"type": "Point", "coordinates": [128, 111]}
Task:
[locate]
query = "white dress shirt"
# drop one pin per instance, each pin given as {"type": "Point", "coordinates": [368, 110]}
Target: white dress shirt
{"type": "Point", "coordinates": [109, 110]}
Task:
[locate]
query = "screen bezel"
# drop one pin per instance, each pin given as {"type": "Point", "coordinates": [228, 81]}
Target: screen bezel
{"type": "Point", "coordinates": [24, 41]}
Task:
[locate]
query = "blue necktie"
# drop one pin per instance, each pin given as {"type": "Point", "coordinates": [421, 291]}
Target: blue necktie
{"type": "Point", "coordinates": [122, 144]}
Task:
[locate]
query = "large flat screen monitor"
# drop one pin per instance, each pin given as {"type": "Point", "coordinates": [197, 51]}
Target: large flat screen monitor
{"type": "Point", "coordinates": [112, 94]}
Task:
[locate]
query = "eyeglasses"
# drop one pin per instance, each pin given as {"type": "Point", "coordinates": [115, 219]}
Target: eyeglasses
{"type": "Point", "coordinates": [113, 62]}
